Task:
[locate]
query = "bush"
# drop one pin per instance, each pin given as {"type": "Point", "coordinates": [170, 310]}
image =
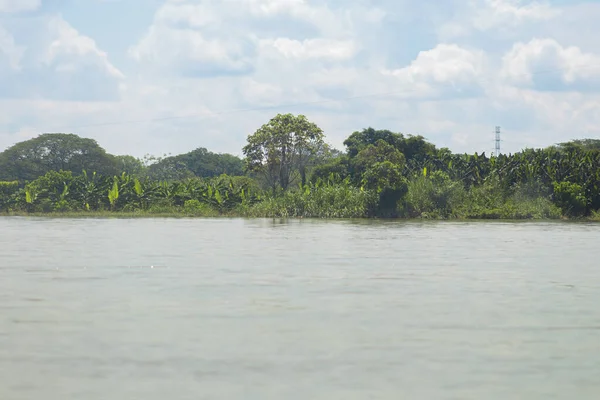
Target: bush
{"type": "Point", "coordinates": [570, 197]}
{"type": "Point", "coordinates": [317, 201]}
{"type": "Point", "coordinates": [197, 208]}
{"type": "Point", "coordinates": [8, 192]}
{"type": "Point", "coordinates": [434, 196]}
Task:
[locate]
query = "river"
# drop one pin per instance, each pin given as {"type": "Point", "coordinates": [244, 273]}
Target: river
{"type": "Point", "coordinates": [158, 309]}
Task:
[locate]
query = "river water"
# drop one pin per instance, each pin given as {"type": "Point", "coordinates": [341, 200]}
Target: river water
{"type": "Point", "coordinates": [158, 309]}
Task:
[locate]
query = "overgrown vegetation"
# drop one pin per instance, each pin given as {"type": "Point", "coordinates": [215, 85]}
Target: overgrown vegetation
{"type": "Point", "coordinates": [289, 171]}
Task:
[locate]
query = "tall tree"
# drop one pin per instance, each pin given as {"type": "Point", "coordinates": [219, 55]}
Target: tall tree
{"type": "Point", "coordinates": [283, 149]}
{"type": "Point", "coordinates": [199, 162]}
{"type": "Point", "coordinates": [54, 152]}
{"type": "Point", "coordinates": [580, 144]}
{"type": "Point", "coordinates": [207, 164]}
{"type": "Point", "coordinates": [414, 148]}
{"type": "Point", "coordinates": [130, 165]}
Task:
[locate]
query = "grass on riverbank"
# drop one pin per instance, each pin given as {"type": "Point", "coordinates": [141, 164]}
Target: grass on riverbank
{"type": "Point", "coordinates": [424, 199]}
{"type": "Point", "coordinates": [509, 212]}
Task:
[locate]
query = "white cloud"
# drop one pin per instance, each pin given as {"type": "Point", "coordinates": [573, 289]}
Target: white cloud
{"type": "Point", "coordinates": [549, 59]}
{"type": "Point", "coordinates": [514, 11]}
{"type": "Point", "coordinates": [12, 51]}
{"type": "Point", "coordinates": [48, 58]}
{"type": "Point", "coordinates": [321, 16]}
{"type": "Point", "coordinates": [14, 6]}
{"type": "Point", "coordinates": [217, 38]}
{"type": "Point", "coordinates": [496, 17]}
{"type": "Point", "coordinates": [69, 50]}
{"type": "Point", "coordinates": [319, 48]}
{"type": "Point", "coordinates": [208, 73]}
{"type": "Point", "coordinates": [453, 67]}
{"type": "Point", "coordinates": [190, 50]}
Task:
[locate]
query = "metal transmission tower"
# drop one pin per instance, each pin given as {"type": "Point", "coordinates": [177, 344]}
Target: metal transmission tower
{"type": "Point", "coordinates": [497, 148]}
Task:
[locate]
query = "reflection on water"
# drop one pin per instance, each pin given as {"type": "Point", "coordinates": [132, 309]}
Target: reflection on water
{"type": "Point", "coordinates": [303, 309]}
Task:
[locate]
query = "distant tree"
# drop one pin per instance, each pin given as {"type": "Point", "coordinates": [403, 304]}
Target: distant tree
{"type": "Point", "coordinates": [130, 165]}
{"type": "Point", "coordinates": [283, 149]}
{"type": "Point", "coordinates": [32, 158]}
{"type": "Point", "coordinates": [199, 162]}
{"type": "Point", "coordinates": [416, 148]}
{"type": "Point", "coordinates": [7, 192]}
{"type": "Point", "coordinates": [413, 147]}
{"type": "Point", "coordinates": [338, 167]}
{"type": "Point", "coordinates": [206, 164]}
{"type": "Point", "coordinates": [581, 144]}
{"type": "Point", "coordinates": [169, 169]}
{"type": "Point", "coordinates": [374, 154]}
{"type": "Point", "coordinates": [360, 139]}
{"type": "Point", "coordinates": [381, 151]}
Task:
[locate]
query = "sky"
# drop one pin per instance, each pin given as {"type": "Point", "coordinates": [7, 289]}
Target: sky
{"type": "Point", "coordinates": [168, 76]}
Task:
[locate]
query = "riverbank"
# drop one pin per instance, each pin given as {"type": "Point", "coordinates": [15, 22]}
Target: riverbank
{"type": "Point", "coordinates": [595, 217]}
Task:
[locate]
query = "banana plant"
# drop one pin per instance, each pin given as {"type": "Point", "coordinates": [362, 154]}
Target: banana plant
{"type": "Point", "coordinates": [113, 193]}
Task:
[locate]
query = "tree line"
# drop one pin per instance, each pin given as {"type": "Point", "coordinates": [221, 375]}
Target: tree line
{"type": "Point", "coordinates": [288, 170]}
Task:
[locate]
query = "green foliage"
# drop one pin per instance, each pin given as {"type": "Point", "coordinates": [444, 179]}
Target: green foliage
{"type": "Point", "coordinates": [196, 163]}
{"type": "Point", "coordinates": [50, 192]}
{"type": "Point", "coordinates": [382, 174]}
{"type": "Point", "coordinates": [130, 165]}
{"type": "Point", "coordinates": [492, 201]}
{"type": "Point", "coordinates": [61, 191]}
{"type": "Point", "coordinates": [414, 148]}
{"type": "Point", "coordinates": [8, 191]}
{"type": "Point", "coordinates": [32, 158]}
{"type": "Point", "coordinates": [169, 169]}
{"type": "Point", "coordinates": [197, 208]}
{"type": "Point", "coordinates": [378, 154]}
{"type": "Point", "coordinates": [338, 166]}
{"type": "Point", "coordinates": [282, 149]}
{"type": "Point", "coordinates": [570, 198]}
{"type": "Point", "coordinates": [580, 144]}
{"type": "Point", "coordinates": [385, 179]}
{"type": "Point", "coordinates": [433, 196]}
{"type": "Point", "coordinates": [322, 199]}
{"type": "Point", "coordinates": [113, 193]}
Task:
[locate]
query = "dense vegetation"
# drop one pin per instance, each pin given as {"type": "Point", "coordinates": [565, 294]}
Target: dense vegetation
{"type": "Point", "coordinates": [289, 171]}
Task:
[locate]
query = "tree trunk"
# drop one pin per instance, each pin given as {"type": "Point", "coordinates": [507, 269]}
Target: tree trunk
{"type": "Point", "coordinates": [283, 174]}
{"type": "Point", "coordinates": [303, 175]}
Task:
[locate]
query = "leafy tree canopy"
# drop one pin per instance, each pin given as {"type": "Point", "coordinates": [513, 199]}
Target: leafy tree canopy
{"type": "Point", "coordinates": [130, 165]}
{"type": "Point", "coordinates": [32, 158]}
{"type": "Point", "coordinates": [199, 162]}
{"type": "Point", "coordinates": [283, 149]}
{"type": "Point", "coordinates": [381, 151]}
{"type": "Point", "coordinates": [581, 144]}
{"type": "Point", "coordinates": [413, 147]}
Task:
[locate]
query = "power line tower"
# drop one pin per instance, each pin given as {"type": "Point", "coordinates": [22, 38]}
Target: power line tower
{"type": "Point", "coordinates": [497, 148]}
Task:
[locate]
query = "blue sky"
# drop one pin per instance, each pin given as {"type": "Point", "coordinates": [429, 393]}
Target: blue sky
{"type": "Point", "coordinates": [158, 76]}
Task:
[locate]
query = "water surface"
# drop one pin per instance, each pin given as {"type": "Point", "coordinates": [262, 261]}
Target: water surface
{"type": "Point", "coordinates": [155, 309]}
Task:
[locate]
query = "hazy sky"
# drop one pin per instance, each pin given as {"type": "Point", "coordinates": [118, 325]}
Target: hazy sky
{"type": "Point", "coordinates": [157, 76]}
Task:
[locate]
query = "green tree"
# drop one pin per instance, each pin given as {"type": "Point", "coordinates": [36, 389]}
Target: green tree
{"type": "Point", "coordinates": [51, 191]}
{"type": "Point", "coordinates": [7, 192]}
{"type": "Point", "coordinates": [416, 149]}
{"type": "Point", "coordinates": [169, 169]}
{"type": "Point", "coordinates": [283, 149]}
{"type": "Point", "coordinates": [360, 139]}
{"type": "Point", "coordinates": [32, 158]}
{"type": "Point", "coordinates": [580, 144]}
{"type": "Point", "coordinates": [385, 178]}
{"type": "Point", "coordinates": [130, 165]}
{"type": "Point", "coordinates": [570, 198]}
{"type": "Point", "coordinates": [338, 167]}
{"type": "Point", "coordinates": [202, 163]}
{"type": "Point", "coordinates": [379, 152]}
